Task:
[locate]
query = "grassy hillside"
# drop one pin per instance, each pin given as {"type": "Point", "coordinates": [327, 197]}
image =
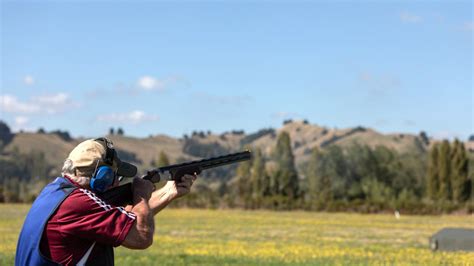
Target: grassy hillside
{"type": "Point", "coordinates": [53, 147]}
{"type": "Point", "coordinates": [148, 149]}
{"type": "Point", "coordinates": [304, 137]}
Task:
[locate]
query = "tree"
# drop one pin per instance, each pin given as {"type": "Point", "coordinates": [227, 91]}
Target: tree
{"type": "Point", "coordinates": [346, 170]}
{"type": "Point", "coordinates": [319, 183]}
{"type": "Point", "coordinates": [111, 131]}
{"type": "Point", "coordinates": [286, 175]}
{"type": "Point", "coordinates": [460, 181]}
{"type": "Point", "coordinates": [471, 178]}
{"type": "Point", "coordinates": [163, 159]}
{"type": "Point", "coordinates": [244, 188]}
{"type": "Point", "coordinates": [433, 173]}
{"type": "Point", "coordinates": [11, 189]}
{"type": "Point", "coordinates": [444, 162]}
{"type": "Point", "coordinates": [120, 131]}
{"type": "Point", "coordinates": [64, 135]}
{"type": "Point", "coordinates": [37, 165]}
{"type": "Point", "coordinates": [5, 134]}
{"type": "Point", "coordinates": [258, 178]}
{"type": "Point", "coordinates": [424, 137]}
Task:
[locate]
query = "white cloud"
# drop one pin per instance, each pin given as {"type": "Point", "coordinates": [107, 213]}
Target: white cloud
{"type": "Point", "coordinates": [29, 80]}
{"type": "Point", "coordinates": [134, 117]}
{"type": "Point", "coordinates": [10, 104]}
{"type": "Point", "coordinates": [55, 99]}
{"type": "Point", "coordinates": [21, 123]}
{"type": "Point", "coordinates": [410, 18]}
{"type": "Point", "coordinates": [21, 120]}
{"type": "Point", "coordinates": [50, 104]}
{"type": "Point", "coordinates": [150, 83]}
{"type": "Point", "coordinates": [55, 103]}
{"type": "Point", "coordinates": [144, 83]}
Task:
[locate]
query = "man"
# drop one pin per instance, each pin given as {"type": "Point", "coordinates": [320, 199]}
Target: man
{"type": "Point", "coordinates": [69, 224]}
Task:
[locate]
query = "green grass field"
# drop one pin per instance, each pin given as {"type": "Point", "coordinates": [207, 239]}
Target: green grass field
{"type": "Point", "coordinates": [229, 237]}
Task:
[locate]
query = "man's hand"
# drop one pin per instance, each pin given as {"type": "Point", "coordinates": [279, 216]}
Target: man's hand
{"type": "Point", "coordinates": [142, 188]}
{"type": "Point", "coordinates": [181, 188]}
{"type": "Point", "coordinates": [170, 191]}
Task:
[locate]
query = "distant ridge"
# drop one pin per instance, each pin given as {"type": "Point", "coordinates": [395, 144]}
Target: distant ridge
{"type": "Point", "coordinates": [304, 137]}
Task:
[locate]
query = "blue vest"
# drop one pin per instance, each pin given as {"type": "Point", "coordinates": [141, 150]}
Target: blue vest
{"type": "Point", "coordinates": [28, 248]}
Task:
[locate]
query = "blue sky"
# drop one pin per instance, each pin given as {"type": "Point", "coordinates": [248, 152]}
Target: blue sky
{"type": "Point", "coordinates": [174, 67]}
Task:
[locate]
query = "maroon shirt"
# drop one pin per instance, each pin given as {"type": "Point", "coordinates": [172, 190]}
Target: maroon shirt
{"type": "Point", "coordinates": [82, 227]}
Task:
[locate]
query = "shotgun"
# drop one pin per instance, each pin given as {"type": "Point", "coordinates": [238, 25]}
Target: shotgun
{"type": "Point", "coordinates": [123, 195]}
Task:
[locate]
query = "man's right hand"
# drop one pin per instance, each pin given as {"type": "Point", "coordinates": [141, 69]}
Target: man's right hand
{"type": "Point", "coordinates": [142, 188]}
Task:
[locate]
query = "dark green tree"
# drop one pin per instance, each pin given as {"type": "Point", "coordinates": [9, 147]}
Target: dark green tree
{"type": "Point", "coordinates": [471, 178]}
{"type": "Point", "coordinates": [433, 173]}
{"type": "Point", "coordinates": [460, 181]}
{"type": "Point", "coordinates": [344, 171]}
{"type": "Point", "coordinates": [37, 165]}
{"type": "Point", "coordinates": [244, 187]}
{"type": "Point", "coordinates": [5, 134]}
{"type": "Point", "coordinates": [258, 178]}
{"type": "Point", "coordinates": [444, 163]}
{"type": "Point", "coordinates": [286, 175]}
{"type": "Point", "coordinates": [319, 190]}
{"type": "Point", "coordinates": [163, 159]}
{"type": "Point", "coordinates": [11, 189]}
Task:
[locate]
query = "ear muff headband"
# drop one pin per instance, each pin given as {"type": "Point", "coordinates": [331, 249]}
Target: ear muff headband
{"type": "Point", "coordinates": [109, 152]}
{"type": "Point", "coordinates": [104, 176]}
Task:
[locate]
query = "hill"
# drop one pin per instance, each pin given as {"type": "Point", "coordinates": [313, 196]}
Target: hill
{"type": "Point", "coordinates": [141, 151]}
{"type": "Point", "coordinates": [357, 169]}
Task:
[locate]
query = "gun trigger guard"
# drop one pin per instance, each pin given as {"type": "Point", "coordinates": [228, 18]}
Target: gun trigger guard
{"type": "Point", "coordinates": [152, 176]}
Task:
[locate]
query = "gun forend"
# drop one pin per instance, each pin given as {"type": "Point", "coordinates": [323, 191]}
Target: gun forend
{"type": "Point", "coordinates": [176, 171]}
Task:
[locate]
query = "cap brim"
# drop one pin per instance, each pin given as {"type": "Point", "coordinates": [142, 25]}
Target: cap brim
{"type": "Point", "coordinates": [126, 169]}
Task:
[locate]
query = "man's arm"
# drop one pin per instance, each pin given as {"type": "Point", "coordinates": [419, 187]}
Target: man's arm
{"type": "Point", "coordinates": [169, 192]}
{"type": "Point", "coordinates": [147, 205]}
{"type": "Point", "coordinates": [140, 235]}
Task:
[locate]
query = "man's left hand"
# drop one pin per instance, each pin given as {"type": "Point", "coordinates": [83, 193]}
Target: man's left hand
{"type": "Point", "coordinates": [177, 189]}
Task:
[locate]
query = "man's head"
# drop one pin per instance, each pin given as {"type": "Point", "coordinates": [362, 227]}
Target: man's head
{"type": "Point", "coordinates": [90, 156]}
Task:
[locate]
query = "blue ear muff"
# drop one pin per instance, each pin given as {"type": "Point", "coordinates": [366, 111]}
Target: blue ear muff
{"type": "Point", "coordinates": [104, 177]}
